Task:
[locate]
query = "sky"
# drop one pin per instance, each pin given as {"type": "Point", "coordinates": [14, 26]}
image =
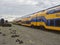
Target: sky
{"type": "Point", "coordinates": [11, 9]}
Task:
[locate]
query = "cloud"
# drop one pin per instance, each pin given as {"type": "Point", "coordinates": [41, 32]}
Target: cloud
{"type": "Point", "coordinates": [9, 17]}
{"type": "Point", "coordinates": [47, 3]}
{"type": "Point", "coordinates": [27, 2]}
{"type": "Point", "coordinates": [24, 7]}
{"type": "Point", "coordinates": [21, 2]}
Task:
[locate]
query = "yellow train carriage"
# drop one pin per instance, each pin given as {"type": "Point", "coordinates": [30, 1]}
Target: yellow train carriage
{"type": "Point", "coordinates": [53, 18]}
{"type": "Point", "coordinates": [26, 21]}
{"type": "Point", "coordinates": [36, 17]}
{"type": "Point", "coordinates": [49, 18]}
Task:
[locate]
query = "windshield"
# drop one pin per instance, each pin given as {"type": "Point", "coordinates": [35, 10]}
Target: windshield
{"type": "Point", "coordinates": [53, 11]}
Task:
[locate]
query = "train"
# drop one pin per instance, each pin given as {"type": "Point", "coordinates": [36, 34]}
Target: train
{"type": "Point", "coordinates": [45, 19]}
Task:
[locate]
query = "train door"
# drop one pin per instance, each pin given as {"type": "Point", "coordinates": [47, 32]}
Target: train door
{"type": "Point", "coordinates": [57, 21]}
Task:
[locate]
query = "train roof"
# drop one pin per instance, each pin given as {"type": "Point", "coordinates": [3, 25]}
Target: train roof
{"type": "Point", "coordinates": [47, 9]}
{"type": "Point", "coordinates": [40, 11]}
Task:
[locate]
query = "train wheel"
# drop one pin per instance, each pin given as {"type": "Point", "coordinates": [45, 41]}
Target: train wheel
{"type": "Point", "coordinates": [32, 26]}
{"type": "Point", "coordinates": [42, 27]}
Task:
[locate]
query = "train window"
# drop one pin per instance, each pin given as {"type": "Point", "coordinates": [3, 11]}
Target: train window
{"type": "Point", "coordinates": [47, 23]}
{"type": "Point", "coordinates": [23, 22]}
{"type": "Point", "coordinates": [34, 19]}
{"type": "Point", "coordinates": [38, 19]}
{"type": "Point", "coordinates": [57, 23]}
{"type": "Point", "coordinates": [53, 11]}
{"type": "Point", "coordinates": [28, 22]}
{"type": "Point", "coordinates": [51, 22]}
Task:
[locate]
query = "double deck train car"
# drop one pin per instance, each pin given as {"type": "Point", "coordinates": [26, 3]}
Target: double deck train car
{"type": "Point", "coordinates": [25, 21]}
{"type": "Point", "coordinates": [49, 19]}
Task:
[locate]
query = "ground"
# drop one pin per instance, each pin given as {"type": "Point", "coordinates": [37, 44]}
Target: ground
{"type": "Point", "coordinates": [28, 36]}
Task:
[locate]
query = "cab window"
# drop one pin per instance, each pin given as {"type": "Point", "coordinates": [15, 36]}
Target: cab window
{"type": "Point", "coordinates": [53, 11]}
